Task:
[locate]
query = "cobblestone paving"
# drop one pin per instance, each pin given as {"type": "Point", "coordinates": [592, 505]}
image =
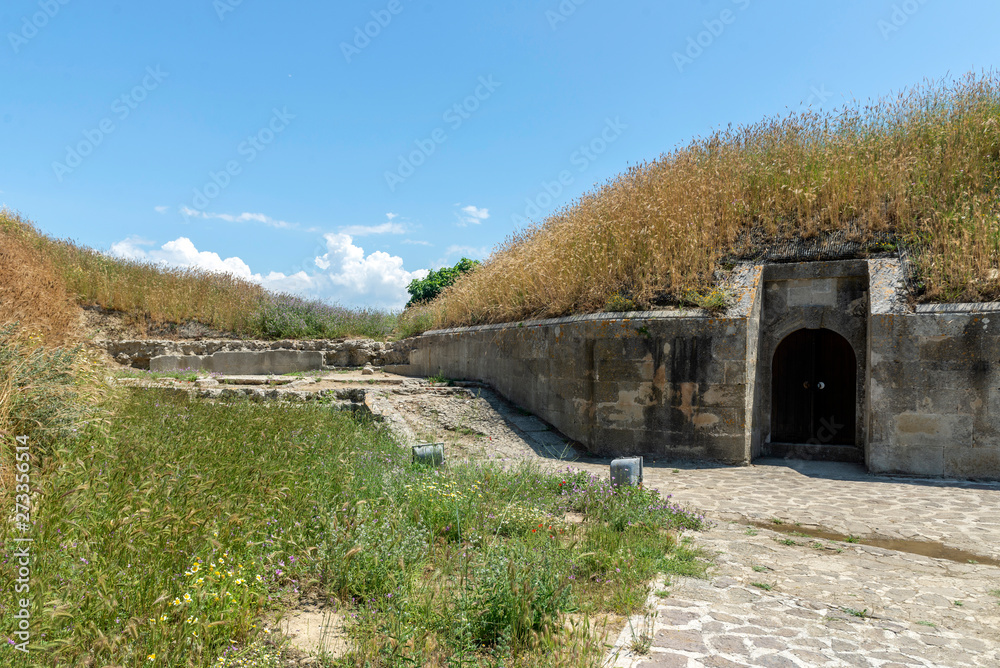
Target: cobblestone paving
{"type": "Point", "coordinates": [783, 600]}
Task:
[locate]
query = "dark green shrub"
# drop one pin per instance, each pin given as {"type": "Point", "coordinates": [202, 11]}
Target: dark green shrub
{"type": "Point", "coordinates": [426, 289]}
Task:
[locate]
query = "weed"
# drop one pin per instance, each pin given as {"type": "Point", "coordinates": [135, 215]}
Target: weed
{"type": "Point", "coordinates": [853, 539]}
{"type": "Point", "coordinates": [662, 593]}
{"type": "Point", "coordinates": [930, 624]}
{"type": "Point", "coordinates": [856, 613]}
{"type": "Point", "coordinates": [959, 603]}
{"type": "Point", "coordinates": [751, 531]}
{"type": "Point", "coordinates": [439, 379]}
{"type": "Point", "coordinates": [760, 569]}
{"type": "Point", "coordinates": [785, 541]}
{"type": "Point", "coordinates": [775, 520]}
{"type": "Point", "coordinates": [762, 585]}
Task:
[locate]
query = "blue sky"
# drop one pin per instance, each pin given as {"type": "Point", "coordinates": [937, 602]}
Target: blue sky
{"type": "Point", "coordinates": [339, 149]}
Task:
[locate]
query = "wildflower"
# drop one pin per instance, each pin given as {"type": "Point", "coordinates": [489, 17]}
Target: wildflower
{"type": "Point", "coordinates": [176, 601]}
{"type": "Point", "coordinates": [187, 598]}
{"type": "Point", "coordinates": [151, 657]}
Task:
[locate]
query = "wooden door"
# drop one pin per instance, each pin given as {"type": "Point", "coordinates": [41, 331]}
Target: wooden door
{"type": "Point", "coordinates": [814, 389]}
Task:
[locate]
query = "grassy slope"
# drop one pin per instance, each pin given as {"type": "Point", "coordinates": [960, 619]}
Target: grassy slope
{"type": "Point", "coordinates": [924, 165]}
{"type": "Point", "coordinates": [38, 270]}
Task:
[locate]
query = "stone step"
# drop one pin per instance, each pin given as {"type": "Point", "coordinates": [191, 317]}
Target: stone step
{"type": "Point", "coordinates": [821, 453]}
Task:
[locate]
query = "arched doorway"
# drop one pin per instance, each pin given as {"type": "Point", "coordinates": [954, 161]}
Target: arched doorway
{"type": "Point", "coordinates": [814, 390]}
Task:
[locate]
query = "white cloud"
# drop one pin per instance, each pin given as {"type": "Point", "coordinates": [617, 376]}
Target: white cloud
{"type": "Point", "coordinates": [472, 215]}
{"type": "Point", "coordinates": [181, 252]}
{"type": "Point", "coordinates": [188, 212]}
{"type": "Point", "coordinates": [454, 253]}
{"type": "Point", "coordinates": [347, 275]}
{"type": "Point", "coordinates": [379, 277]}
{"type": "Point", "coordinates": [390, 216]}
{"type": "Point", "coordinates": [131, 248]}
{"type": "Point", "coordinates": [161, 209]}
{"type": "Point", "coordinates": [366, 230]}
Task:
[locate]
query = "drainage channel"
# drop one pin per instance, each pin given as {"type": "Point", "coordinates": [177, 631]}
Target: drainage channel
{"type": "Point", "coordinates": [925, 548]}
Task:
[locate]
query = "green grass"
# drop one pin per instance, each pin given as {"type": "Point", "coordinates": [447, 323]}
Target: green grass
{"type": "Point", "coordinates": [141, 374]}
{"type": "Point", "coordinates": [181, 527]}
{"type": "Point", "coordinates": [856, 613]}
{"type": "Point", "coordinates": [762, 585]}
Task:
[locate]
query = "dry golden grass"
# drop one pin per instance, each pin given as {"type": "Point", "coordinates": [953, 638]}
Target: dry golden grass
{"type": "Point", "coordinates": [143, 290]}
{"type": "Point", "coordinates": [32, 290]}
{"type": "Point", "coordinates": [924, 165]}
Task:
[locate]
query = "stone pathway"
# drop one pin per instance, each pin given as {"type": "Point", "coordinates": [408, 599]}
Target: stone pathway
{"type": "Point", "coordinates": [784, 600]}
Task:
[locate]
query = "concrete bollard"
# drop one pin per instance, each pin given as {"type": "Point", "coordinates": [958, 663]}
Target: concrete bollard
{"type": "Point", "coordinates": [430, 454]}
{"type": "Point", "coordinates": [626, 471]}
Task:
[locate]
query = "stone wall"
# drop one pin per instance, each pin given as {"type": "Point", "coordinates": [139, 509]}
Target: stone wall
{"type": "Point", "coordinates": [339, 353]}
{"type": "Point", "coordinates": [934, 404]}
{"type": "Point", "coordinates": [662, 383]}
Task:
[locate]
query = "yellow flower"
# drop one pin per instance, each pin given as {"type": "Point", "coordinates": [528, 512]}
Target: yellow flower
{"type": "Point", "coordinates": [163, 618]}
{"type": "Point", "coordinates": [176, 601]}
{"type": "Point", "coordinates": [187, 598]}
{"type": "Point", "coordinates": [195, 568]}
{"type": "Point", "coordinates": [151, 657]}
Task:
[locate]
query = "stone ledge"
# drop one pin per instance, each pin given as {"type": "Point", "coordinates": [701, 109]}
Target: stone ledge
{"type": "Point", "coordinates": [589, 317]}
{"type": "Point", "coordinates": [980, 307]}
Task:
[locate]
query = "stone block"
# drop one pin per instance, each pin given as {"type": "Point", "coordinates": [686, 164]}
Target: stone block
{"type": "Point", "coordinates": [812, 292]}
{"type": "Point", "coordinates": [609, 442]}
{"type": "Point", "coordinates": [730, 449]}
{"type": "Point", "coordinates": [734, 372]}
{"type": "Point", "coordinates": [932, 429]}
{"type": "Point", "coordinates": [625, 370]}
{"type": "Point", "coordinates": [620, 416]}
{"type": "Point", "coordinates": [168, 363]}
{"type": "Point", "coordinates": [724, 395]}
{"type": "Point", "coordinates": [972, 462]}
{"type": "Point", "coordinates": [732, 347]}
{"type": "Point", "coordinates": [915, 460]}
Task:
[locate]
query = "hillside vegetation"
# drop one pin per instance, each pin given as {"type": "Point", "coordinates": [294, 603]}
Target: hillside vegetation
{"type": "Point", "coordinates": [43, 280]}
{"type": "Point", "coordinates": [922, 166]}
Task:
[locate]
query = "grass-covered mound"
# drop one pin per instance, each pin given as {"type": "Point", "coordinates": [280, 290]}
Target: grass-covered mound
{"type": "Point", "coordinates": [42, 278]}
{"type": "Point", "coordinates": [171, 536]}
{"type": "Point", "coordinates": [923, 166]}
